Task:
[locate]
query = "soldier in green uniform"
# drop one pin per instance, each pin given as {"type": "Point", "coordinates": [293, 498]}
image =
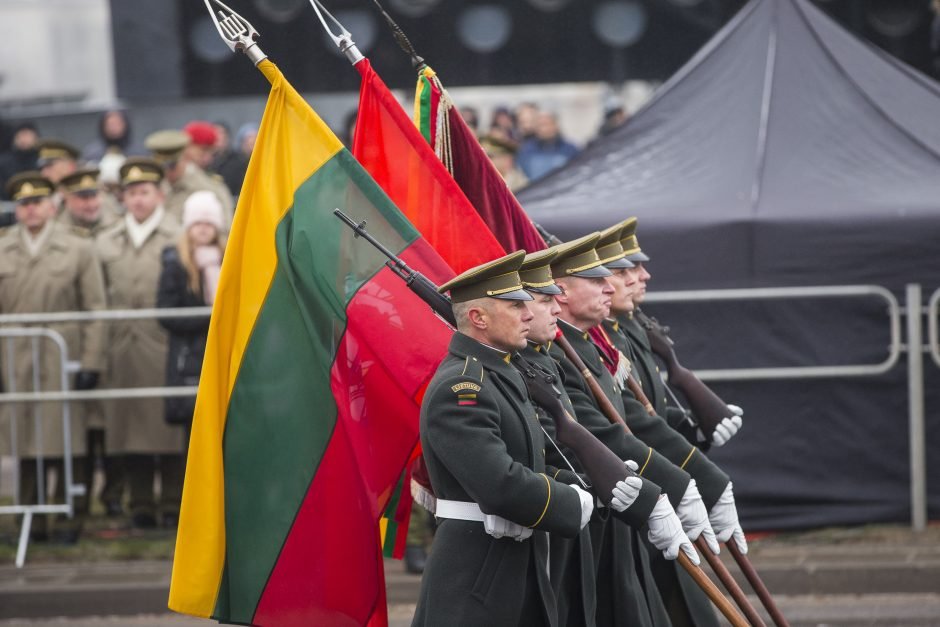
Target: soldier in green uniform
{"type": "Point", "coordinates": [171, 148]}
{"type": "Point", "coordinates": [649, 372]}
{"type": "Point", "coordinates": [572, 569]}
{"type": "Point", "coordinates": [483, 452]}
{"type": "Point", "coordinates": [722, 511]}
{"type": "Point", "coordinates": [622, 560]}
{"type": "Point", "coordinates": [44, 268]}
{"type": "Point", "coordinates": [86, 216]}
{"type": "Point", "coordinates": [686, 602]}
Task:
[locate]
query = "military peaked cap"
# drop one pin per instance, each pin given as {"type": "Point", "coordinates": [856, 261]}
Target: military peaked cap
{"type": "Point", "coordinates": [52, 149]}
{"type": "Point", "coordinates": [631, 246]}
{"type": "Point", "coordinates": [141, 170]}
{"type": "Point", "coordinates": [609, 249]}
{"type": "Point", "coordinates": [83, 180]}
{"type": "Point", "coordinates": [495, 279]}
{"type": "Point", "coordinates": [536, 272]}
{"type": "Point", "coordinates": [27, 185]}
{"type": "Point", "coordinates": [579, 258]}
{"type": "Point", "coordinates": [167, 146]}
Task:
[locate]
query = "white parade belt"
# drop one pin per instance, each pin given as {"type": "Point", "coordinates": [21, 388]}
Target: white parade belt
{"type": "Point", "coordinates": [442, 508]}
{"type": "Point", "coordinates": [459, 510]}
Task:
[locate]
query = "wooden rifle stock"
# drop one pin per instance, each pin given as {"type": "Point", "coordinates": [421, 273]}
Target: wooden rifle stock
{"type": "Point", "coordinates": [757, 583]}
{"type": "Point", "coordinates": [611, 413]}
{"type": "Point", "coordinates": [707, 407]}
{"type": "Point", "coordinates": [746, 567]}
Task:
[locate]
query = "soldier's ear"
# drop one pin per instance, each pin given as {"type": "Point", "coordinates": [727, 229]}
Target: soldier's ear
{"type": "Point", "coordinates": [477, 317]}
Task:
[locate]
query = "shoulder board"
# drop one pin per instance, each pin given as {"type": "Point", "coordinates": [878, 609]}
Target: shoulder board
{"type": "Point", "coordinates": [473, 371]}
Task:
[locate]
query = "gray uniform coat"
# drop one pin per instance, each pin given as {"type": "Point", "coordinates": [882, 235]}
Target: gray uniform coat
{"type": "Point", "coordinates": [482, 443]}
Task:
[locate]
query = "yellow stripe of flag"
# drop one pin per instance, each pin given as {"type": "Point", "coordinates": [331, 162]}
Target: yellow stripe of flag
{"type": "Point", "coordinates": [293, 143]}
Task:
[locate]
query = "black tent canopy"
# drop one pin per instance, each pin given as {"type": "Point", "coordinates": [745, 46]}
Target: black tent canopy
{"type": "Point", "coordinates": [785, 153]}
{"type": "Point", "coordinates": [785, 146]}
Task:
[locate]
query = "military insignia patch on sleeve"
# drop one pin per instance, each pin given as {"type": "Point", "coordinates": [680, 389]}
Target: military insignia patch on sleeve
{"type": "Point", "coordinates": [466, 385]}
{"type": "Point", "coordinates": [467, 398]}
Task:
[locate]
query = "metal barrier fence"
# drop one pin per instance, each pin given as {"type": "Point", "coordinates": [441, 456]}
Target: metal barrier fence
{"type": "Point", "coordinates": [65, 396]}
{"type": "Point", "coordinates": [805, 293]}
{"type": "Point", "coordinates": [912, 311]}
{"type": "Point", "coordinates": [70, 490]}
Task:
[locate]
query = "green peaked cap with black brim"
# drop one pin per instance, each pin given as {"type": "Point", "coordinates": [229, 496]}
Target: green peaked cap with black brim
{"type": "Point", "coordinates": [494, 279]}
{"type": "Point", "coordinates": [579, 258]}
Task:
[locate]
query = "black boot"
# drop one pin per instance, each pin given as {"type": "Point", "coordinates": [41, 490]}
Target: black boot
{"type": "Point", "coordinates": [415, 559]}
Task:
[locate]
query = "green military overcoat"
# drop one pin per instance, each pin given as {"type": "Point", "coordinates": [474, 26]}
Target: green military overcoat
{"type": "Point", "coordinates": [685, 601]}
{"type": "Point", "coordinates": [626, 591]}
{"type": "Point", "coordinates": [482, 444]}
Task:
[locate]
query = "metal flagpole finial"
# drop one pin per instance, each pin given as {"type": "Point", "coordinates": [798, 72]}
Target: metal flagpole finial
{"type": "Point", "coordinates": [237, 32]}
{"type": "Point", "coordinates": [344, 40]}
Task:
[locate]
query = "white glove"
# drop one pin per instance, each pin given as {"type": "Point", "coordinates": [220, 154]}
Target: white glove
{"type": "Point", "coordinates": [499, 527]}
{"type": "Point", "coordinates": [726, 429]}
{"type": "Point", "coordinates": [666, 532]}
{"type": "Point", "coordinates": [694, 517]}
{"type": "Point", "coordinates": [724, 519]}
{"type": "Point", "coordinates": [587, 505]}
{"type": "Point", "coordinates": [626, 491]}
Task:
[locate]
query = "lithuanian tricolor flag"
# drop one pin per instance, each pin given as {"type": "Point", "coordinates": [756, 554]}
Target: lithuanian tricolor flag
{"type": "Point", "coordinates": [306, 412]}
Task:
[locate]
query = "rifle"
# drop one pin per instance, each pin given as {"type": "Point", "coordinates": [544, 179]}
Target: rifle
{"type": "Point", "coordinates": [421, 285]}
{"type": "Point", "coordinates": [707, 407]}
{"type": "Point", "coordinates": [603, 467]}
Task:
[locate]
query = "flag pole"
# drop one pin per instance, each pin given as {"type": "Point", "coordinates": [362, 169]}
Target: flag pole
{"type": "Point", "coordinates": [237, 32]}
{"type": "Point", "coordinates": [343, 40]}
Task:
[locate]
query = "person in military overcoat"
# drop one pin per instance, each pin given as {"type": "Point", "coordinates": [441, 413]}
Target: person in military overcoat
{"type": "Point", "coordinates": [484, 456]}
{"type": "Point", "coordinates": [44, 268]}
{"type": "Point", "coordinates": [572, 560]}
{"type": "Point", "coordinates": [130, 254]}
{"type": "Point", "coordinates": [626, 592]}
{"type": "Point", "coordinates": [85, 215]}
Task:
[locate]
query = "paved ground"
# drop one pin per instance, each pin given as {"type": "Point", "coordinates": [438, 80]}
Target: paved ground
{"type": "Point", "coordinates": [881, 576]}
{"type": "Point", "coordinates": [904, 610]}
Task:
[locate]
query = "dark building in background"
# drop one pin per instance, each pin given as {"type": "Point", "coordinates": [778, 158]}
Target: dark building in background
{"type": "Point", "coordinates": [171, 49]}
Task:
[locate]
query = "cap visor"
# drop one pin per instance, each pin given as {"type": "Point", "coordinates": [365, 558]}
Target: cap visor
{"type": "Point", "coordinates": [550, 290]}
{"type": "Point", "coordinates": [619, 264]}
{"type": "Point", "coordinates": [514, 295]}
{"type": "Point", "coordinates": [23, 199]}
{"type": "Point", "coordinates": [597, 272]}
{"type": "Point", "coordinates": [640, 256]}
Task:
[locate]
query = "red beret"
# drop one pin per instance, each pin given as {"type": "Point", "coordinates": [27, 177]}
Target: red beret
{"type": "Point", "coordinates": [201, 133]}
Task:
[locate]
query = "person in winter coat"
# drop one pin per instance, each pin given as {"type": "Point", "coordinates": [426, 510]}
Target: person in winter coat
{"type": "Point", "coordinates": [189, 277]}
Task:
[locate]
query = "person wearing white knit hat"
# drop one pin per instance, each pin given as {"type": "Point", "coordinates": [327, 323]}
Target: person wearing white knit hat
{"type": "Point", "coordinates": [189, 277]}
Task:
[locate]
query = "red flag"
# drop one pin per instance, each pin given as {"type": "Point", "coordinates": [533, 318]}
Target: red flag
{"type": "Point", "coordinates": [393, 151]}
